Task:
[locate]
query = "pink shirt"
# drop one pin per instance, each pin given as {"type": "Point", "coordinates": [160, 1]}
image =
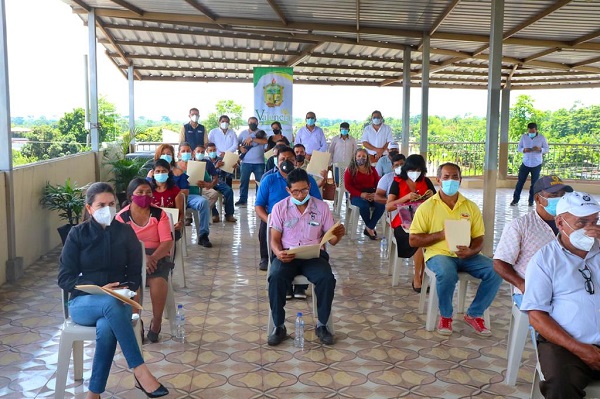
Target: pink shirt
{"type": "Point", "coordinates": [301, 228]}
{"type": "Point", "coordinates": [154, 232]}
{"type": "Point", "coordinates": [521, 239]}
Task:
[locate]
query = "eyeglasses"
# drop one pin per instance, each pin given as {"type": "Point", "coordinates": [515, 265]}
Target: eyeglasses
{"type": "Point", "coordinates": [587, 275]}
{"type": "Point", "coordinates": [298, 192]}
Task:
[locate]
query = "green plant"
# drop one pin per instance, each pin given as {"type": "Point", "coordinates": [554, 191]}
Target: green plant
{"type": "Point", "coordinates": [68, 200]}
{"type": "Point", "coordinates": [124, 170]}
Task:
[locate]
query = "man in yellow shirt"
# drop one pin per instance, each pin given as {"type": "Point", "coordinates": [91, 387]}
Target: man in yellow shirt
{"type": "Point", "coordinates": [427, 231]}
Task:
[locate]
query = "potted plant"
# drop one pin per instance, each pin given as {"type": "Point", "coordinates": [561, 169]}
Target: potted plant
{"type": "Point", "coordinates": [124, 170]}
{"type": "Point", "coordinates": [68, 200]}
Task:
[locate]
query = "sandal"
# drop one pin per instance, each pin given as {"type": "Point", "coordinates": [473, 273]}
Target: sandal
{"type": "Point", "coordinates": [153, 336]}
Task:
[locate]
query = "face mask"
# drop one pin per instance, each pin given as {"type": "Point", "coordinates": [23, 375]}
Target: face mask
{"type": "Point", "coordinates": [344, 132]}
{"type": "Point", "coordinates": [304, 201]}
{"type": "Point", "coordinates": [413, 175]}
{"type": "Point", "coordinates": [310, 121]}
{"type": "Point", "coordinates": [300, 158]}
{"type": "Point", "coordinates": [392, 153]}
{"type": "Point", "coordinates": [551, 207]}
{"type": "Point", "coordinates": [167, 158]}
{"type": "Point", "coordinates": [377, 121]}
{"type": "Point", "coordinates": [143, 201]}
{"type": "Point", "coordinates": [276, 131]}
{"type": "Point", "coordinates": [580, 240]}
{"type": "Point", "coordinates": [161, 177]}
{"type": "Point", "coordinates": [224, 125]}
{"type": "Point", "coordinates": [252, 126]}
{"type": "Point", "coordinates": [105, 215]}
{"type": "Point", "coordinates": [286, 166]}
{"type": "Point", "coordinates": [199, 156]}
{"type": "Point", "coordinates": [450, 187]}
{"type": "Point", "coordinates": [186, 156]}
{"type": "Point", "coordinates": [194, 118]}
{"type": "Point", "coordinates": [532, 135]}
{"type": "Point", "coordinates": [212, 155]}
{"type": "Point", "coordinates": [361, 162]}
{"type": "Point", "coordinates": [398, 171]}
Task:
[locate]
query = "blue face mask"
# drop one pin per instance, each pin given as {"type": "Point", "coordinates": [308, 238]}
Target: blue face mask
{"type": "Point", "coordinates": [344, 132]}
{"type": "Point", "coordinates": [377, 121]}
{"type": "Point", "coordinates": [532, 135]}
{"type": "Point", "coordinates": [199, 156]}
{"type": "Point", "coordinates": [161, 177]}
{"type": "Point", "coordinates": [186, 156]}
{"type": "Point", "coordinates": [551, 207]}
{"type": "Point", "coordinates": [450, 187]}
{"type": "Point", "coordinates": [167, 158]}
{"type": "Point", "coordinates": [304, 201]}
{"type": "Point", "coordinates": [213, 155]}
{"type": "Point", "coordinates": [310, 121]}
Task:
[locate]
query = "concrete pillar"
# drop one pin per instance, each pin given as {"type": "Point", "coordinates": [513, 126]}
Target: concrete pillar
{"type": "Point", "coordinates": [93, 68]}
{"type": "Point", "coordinates": [131, 109]}
{"type": "Point", "coordinates": [406, 101]}
{"type": "Point", "coordinates": [424, 97]}
{"type": "Point", "coordinates": [504, 120]}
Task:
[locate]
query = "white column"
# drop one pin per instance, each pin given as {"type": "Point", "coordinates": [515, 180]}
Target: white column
{"type": "Point", "coordinates": [406, 101]}
{"type": "Point", "coordinates": [131, 108]}
{"type": "Point", "coordinates": [93, 68]}
{"type": "Point", "coordinates": [424, 96]}
{"type": "Point", "coordinates": [504, 121]}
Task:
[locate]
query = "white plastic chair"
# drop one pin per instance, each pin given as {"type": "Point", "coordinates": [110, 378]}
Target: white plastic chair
{"type": "Point", "coordinates": [298, 280]}
{"type": "Point", "coordinates": [179, 270]}
{"type": "Point", "coordinates": [170, 311]}
{"type": "Point", "coordinates": [339, 188]}
{"type": "Point", "coordinates": [515, 343]}
{"type": "Point", "coordinates": [72, 336]}
{"type": "Point", "coordinates": [429, 279]}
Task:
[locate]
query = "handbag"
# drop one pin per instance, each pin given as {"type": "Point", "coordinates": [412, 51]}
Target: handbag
{"type": "Point", "coordinates": [329, 191]}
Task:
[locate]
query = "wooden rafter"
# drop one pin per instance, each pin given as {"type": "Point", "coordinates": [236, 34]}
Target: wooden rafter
{"type": "Point", "coordinates": [192, 46]}
{"type": "Point", "coordinates": [81, 4]}
{"type": "Point", "coordinates": [541, 54]}
{"type": "Point", "coordinates": [129, 6]}
{"type": "Point", "coordinates": [586, 38]}
{"type": "Point", "coordinates": [278, 11]}
{"type": "Point", "coordinates": [117, 48]}
{"type": "Point", "coordinates": [304, 54]}
{"type": "Point", "coordinates": [443, 16]}
{"type": "Point", "coordinates": [357, 21]}
{"type": "Point", "coordinates": [209, 14]}
{"type": "Point", "coordinates": [586, 62]}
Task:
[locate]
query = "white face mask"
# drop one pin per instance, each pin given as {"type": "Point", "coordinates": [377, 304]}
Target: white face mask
{"type": "Point", "coordinates": [224, 125]}
{"type": "Point", "coordinates": [413, 175]}
{"type": "Point", "coordinates": [398, 170]}
{"type": "Point", "coordinates": [105, 215]}
{"type": "Point", "coordinates": [580, 240]}
{"type": "Point", "coordinates": [194, 118]}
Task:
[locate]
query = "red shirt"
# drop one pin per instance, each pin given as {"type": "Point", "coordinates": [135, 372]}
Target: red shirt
{"type": "Point", "coordinates": [166, 199]}
{"type": "Point", "coordinates": [361, 183]}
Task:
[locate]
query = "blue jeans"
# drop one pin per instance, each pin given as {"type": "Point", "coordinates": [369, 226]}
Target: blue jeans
{"type": "Point", "coordinates": [317, 271]}
{"type": "Point", "coordinates": [200, 204]}
{"type": "Point", "coordinates": [112, 319]}
{"type": "Point", "coordinates": [365, 211]}
{"type": "Point", "coordinates": [227, 199]}
{"type": "Point", "coordinates": [246, 170]}
{"type": "Point", "coordinates": [524, 171]}
{"type": "Point", "coordinates": [446, 270]}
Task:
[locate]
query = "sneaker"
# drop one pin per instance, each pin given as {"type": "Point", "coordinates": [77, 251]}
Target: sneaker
{"type": "Point", "coordinates": [288, 293]}
{"type": "Point", "coordinates": [203, 240]}
{"type": "Point", "coordinates": [240, 204]}
{"type": "Point", "coordinates": [230, 218]}
{"type": "Point", "coordinates": [478, 325]}
{"type": "Point", "coordinates": [278, 335]}
{"type": "Point", "coordinates": [263, 265]}
{"type": "Point", "coordinates": [514, 203]}
{"type": "Point", "coordinates": [324, 335]}
{"type": "Point", "coordinates": [216, 219]}
{"type": "Point", "coordinates": [445, 326]}
{"type": "Point", "coordinates": [299, 292]}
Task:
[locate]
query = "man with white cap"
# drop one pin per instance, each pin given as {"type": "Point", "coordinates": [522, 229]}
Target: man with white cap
{"type": "Point", "coordinates": [562, 296]}
{"type": "Point", "coordinates": [384, 164]}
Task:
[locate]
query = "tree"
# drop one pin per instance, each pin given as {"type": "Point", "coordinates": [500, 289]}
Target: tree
{"type": "Point", "coordinates": [225, 107]}
{"type": "Point", "coordinates": [73, 123]}
{"type": "Point", "coordinates": [522, 113]}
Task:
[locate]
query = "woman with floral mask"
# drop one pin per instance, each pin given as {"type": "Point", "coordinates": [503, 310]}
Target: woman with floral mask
{"type": "Point", "coordinates": [104, 252]}
{"type": "Point", "coordinates": [409, 185]}
{"type": "Point", "coordinates": [361, 180]}
{"type": "Point", "coordinates": [152, 226]}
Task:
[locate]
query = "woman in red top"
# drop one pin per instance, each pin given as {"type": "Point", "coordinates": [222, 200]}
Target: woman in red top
{"type": "Point", "coordinates": [409, 185]}
{"type": "Point", "coordinates": [165, 193]}
{"type": "Point", "coordinates": [361, 181]}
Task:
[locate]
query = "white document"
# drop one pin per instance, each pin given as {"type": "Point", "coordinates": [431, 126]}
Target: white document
{"type": "Point", "coordinates": [313, 251]}
{"type": "Point", "coordinates": [319, 161]}
{"type": "Point", "coordinates": [229, 160]}
{"type": "Point", "coordinates": [97, 290]}
{"type": "Point", "coordinates": [269, 154]}
{"type": "Point", "coordinates": [196, 171]}
{"type": "Point", "coordinates": [458, 233]}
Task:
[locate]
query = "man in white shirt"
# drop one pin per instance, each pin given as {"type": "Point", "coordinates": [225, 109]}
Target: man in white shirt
{"type": "Point", "coordinates": [533, 146]}
{"type": "Point", "coordinates": [562, 297]}
{"type": "Point", "coordinates": [311, 136]}
{"type": "Point", "coordinates": [384, 184]}
{"type": "Point", "coordinates": [384, 164]}
{"type": "Point", "coordinates": [342, 149]}
{"type": "Point", "coordinates": [224, 138]}
{"type": "Point", "coordinates": [524, 236]}
{"type": "Point", "coordinates": [376, 137]}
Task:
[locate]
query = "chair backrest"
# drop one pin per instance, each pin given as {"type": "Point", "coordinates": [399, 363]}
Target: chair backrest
{"type": "Point", "coordinates": [269, 237]}
{"type": "Point", "coordinates": [172, 213]}
{"type": "Point", "coordinates": [65, 303]}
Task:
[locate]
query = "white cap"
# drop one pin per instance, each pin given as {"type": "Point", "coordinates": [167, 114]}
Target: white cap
{"type": "Point", "coordinates": [578, 204]}
{"type": "Point", "coordinates": [393, 144]}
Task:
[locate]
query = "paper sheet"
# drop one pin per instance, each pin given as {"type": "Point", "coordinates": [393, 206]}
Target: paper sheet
{"type": "Point", "coordinates": [269, 154]}
{"type": "Point", "coordinates": [319, 161]}
{"type": "Point", "coordinates": [458, 232]}
{"type": "Point", "coordinates": [195, 171]}
{"type": "Point", "coordinates": [229, 160]}
{"type": "Point", "coordinates": [313, 251]}
{"type": "Point", "coordinates": [97, 290]}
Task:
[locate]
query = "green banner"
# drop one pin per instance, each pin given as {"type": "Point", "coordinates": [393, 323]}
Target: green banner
{"type": "Point", "coordinates": [273, 98]}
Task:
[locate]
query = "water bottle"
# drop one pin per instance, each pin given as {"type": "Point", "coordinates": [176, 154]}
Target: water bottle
{"type": "Point", "coordinates": [299, 336]}
{"type": "Point", "coordinates": [383, 247]}
{"type": "Point", "coordinates": [180, 323]}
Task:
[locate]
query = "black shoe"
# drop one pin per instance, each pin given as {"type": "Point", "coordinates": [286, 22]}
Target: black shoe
{"type": "Point", "coordinates": [278, 335]}
{"type": "Point", "coordinates": [514, 203]}
{"type": "Point", "coordinates": [299, 292]}
{"type": "Point", "coordinates": [240, 204]}
{"type": "Point", "coordinates": [158, 392]}
{"type": "Point", "coordinates": [203, 240]}
{"type": "Point", "coordinates": [324, 335]}
{"type": "Point", "coordinates": [288, 293]}
{"type": "Point", "coordinates": [154, 337]}
{"type": "Point", "coordinates": [372, 237]}
{"type": "Point", "coordinates": [263, 265]}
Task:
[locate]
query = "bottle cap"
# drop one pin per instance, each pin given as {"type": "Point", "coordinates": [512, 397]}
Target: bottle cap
{"type": "Point", "coordinates": [179, 306]}
{"type": "Point", "coordinates": [299, 314]}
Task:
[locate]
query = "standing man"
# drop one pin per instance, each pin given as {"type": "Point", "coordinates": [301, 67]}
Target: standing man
{"type": "Point", "coordinates": [193, 132]}
{"type": "Point", "coordinates": [342, 149]}
{"type": "Point", "coordinates": [562, 298]}
{"type": "Point", "coordinates": [533, 146]}
{"type": "Point", "coordinates": [223, 137]}
{"type": "Point", "coordinates": [311, 136]}
{"type": "Point", "coordinates": [384, 164]}
{"type": "Point", "coordinates": [427, 231]}
{"type": "Point", "coordinates": [254, 158]}
{"type": "Point", "coordinates": [376, 137]}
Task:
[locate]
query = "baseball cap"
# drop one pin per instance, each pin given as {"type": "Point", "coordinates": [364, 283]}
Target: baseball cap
{"type": "Point", "coordinates": [578, 204]}
{"type": "Point", "coordinates": [393, 145]}
{"type": "Point", "coordinates": [344, 125]}
{"type": "Point", "coordinates": [550, 184]}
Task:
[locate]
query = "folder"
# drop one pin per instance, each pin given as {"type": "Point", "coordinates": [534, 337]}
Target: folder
{"type": "Point", "coordinates": [457, 232]}
{"type": "Point", "coordinates": [313, 251]}
{"type": "Point", "coordinates": [97, 290]}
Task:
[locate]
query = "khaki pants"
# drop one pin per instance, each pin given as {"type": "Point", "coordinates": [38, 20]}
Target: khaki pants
{"type": "Point", "coordinates": [211, 195]}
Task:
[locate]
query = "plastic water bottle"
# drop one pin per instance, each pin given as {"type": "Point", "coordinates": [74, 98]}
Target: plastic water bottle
{"type": "Point", "coordinates": [383, 247]}
{"type": "Point", "coordinates": [299, 336]}
{"type": "Point", "coordinates": [180, 323]}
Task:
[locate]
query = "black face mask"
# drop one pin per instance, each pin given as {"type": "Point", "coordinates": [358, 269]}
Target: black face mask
{"type": "Point", "coordinates": [276, 131]}
{"type": "Point", "coordinates": [300, 158]}
{"type": "Point", "coordinates": [252, 126]}
{"type": "Point", "coordinates": [286, 166]}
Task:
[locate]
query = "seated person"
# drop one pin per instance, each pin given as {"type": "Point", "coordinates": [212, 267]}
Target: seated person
{"type": "Point", "coordinates": [427, 231]}
{"type": "Point", "coordinates": [104, 252]}
{"type": "Point", "coordinates": [221, 184]}
{"type": "Point", "coordinates": [384, 184]}
{"type": "Point", "coordinates": [360, 180]}
{"type": "Point", "coordinates": [152, 226]}
{"type": "Point", "coordinates": [277, 136]}
{"type": "Point", "coordinates": [384, 164]}
{"type": "Point", "coordinates": [409, 186]}
{"type": "Point", "coordinates": [561, 297]}
{"type": "Point", "coordinates": [300, 220]}
{"type": "Point", "coordinates": [273, 159]}
{"type": "Point", "coordinates": [300, 152]}
{"type": "Point", "coordinates": [165, 193]}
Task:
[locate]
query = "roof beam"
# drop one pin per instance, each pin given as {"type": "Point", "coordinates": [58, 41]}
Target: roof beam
{"type": "Point", "coordinates": [586, 62]}
{"type": "Point", "coordinates": [443, 16]}
{"type": "Point", "coordinates": [585, 38]}
{"type": "Point", "coordinates": [129, 6]}
{"type": "Point", "coordinates": [278, 11]}
{"type": "Point", "coordinates": [306, 53]}
{"type": "Point", "coordinates": [192, 46]}
{"type": "Point", "coordinates": [516, 41]}
{"type": "Point", "coordinates": [116, 46]}
{"type": "Point", "coordinates": [357, 21]}
{"type": "Point", "coordinates": [541, 54]}
{"type": "Point", "coordinates": [209, 14]}
{"type": "Point", "coordinates": [81, 4]}
{"type": "Point", "coordinates": [198, 59]}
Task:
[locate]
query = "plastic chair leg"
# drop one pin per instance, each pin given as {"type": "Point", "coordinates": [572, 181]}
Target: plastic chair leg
{"type": "Point", "coordinates": [516, 343]}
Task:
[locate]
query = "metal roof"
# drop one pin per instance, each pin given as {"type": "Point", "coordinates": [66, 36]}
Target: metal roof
{"type": "Point", "coordinates": [548, 44]}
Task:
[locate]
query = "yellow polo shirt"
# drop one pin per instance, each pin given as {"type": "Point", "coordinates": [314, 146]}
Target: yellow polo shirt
{"type": "Point", "coordinates": [430, 216]}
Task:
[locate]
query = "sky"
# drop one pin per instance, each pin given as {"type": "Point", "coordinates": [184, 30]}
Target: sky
{"type": "Point", "coordinates": [47, 43]}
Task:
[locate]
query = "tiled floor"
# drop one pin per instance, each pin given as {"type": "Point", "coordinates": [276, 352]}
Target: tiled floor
{"type": "Point", "coordinates": [381, 351]}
